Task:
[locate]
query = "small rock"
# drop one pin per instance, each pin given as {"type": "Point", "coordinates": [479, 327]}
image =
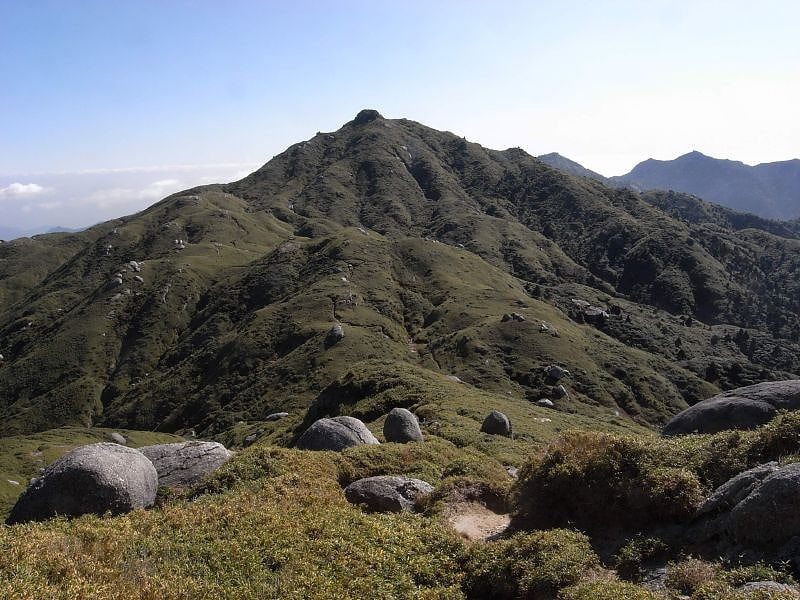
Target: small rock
{"type": "Point", "coordinates": [512, 471]}
{"type": "Point", "coordinates": [138, 278]}
{"type": "Point", "coordinates": [336, 434]}
{"type": "Point", "coordinates": [514, 316]}
{"type": "Point", "coordinates": [559, 392]}
{"type": "Point", "coordinates": [454, 378]}
{"type": "Point", "coordinates": [496, 423]}
{"type": "Point", "coordinates": [401, 426]}
{"type": "Point", "coordinates": [276, 416]}
{"type": "Point", "coordinates": [545, 403]}
{"type": "Point", "coordinates": [117, 438]}
{"type": "Point", "coordinates": [387, 493]}
{"type": "Point", "coordinates": [134, 266]}
{"type": "Point", "coordinates": [767, 586]}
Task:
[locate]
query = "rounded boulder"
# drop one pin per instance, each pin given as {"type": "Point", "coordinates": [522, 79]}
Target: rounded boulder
{"type": "Point", "coordinates": [183, 464]}
{"type": "Point", "coordinates": [496, 423]}
{"type": "Point", "coordinates": [335, 434]}
{"type": "Point", "coordinates": [401, 426]}
{"type": "Point", "coordinates": [96, 478]}
{"type": "Point", "coordinates": [743, 408]}
{"type": "Point", "coordinates": [387, 493]}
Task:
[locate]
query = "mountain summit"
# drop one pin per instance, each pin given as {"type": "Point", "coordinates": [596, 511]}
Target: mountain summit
{"type": "Point", "coordinates": [383, 256]}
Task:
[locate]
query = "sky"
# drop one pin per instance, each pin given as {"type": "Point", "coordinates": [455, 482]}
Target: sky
{"type": "Point", "coordinates": [105, 107]}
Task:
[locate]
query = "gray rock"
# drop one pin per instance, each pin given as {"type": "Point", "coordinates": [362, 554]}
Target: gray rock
{"type": "Point", "coordinates": [276, 416]}
{"type": "Point", "coordinates": [559, 391]}
{"type": "Point", "coordinates": [335, 434]}
{"type": "Point", "coordinates": [134, 266]}
{"type": "Point", "coordinates": [512, 471]}
{"type": "Point", "coordinates": [97, 478]}
{"type": "Point", "coordinates": [455, 378]}
{"type": "Point", "coordinates": [115, 282]}
{"type": "Point", "coordinates": [183, 464]}
{"type": "Point", "coordinates": [117, 438]}
{"type": "Point", "coordinates": [767, 586]}
{"type": "Point", "coordinates": [736, 489]}
{"type": "Point", "coordinates": [387, 493]}
{"type": "Point", "coordinates": [742, 408]}
{"type": "Point", "coordinates": [545, 403]}
{"type": "Point", "coordinates": [335, 335]}
{"type": "Point", "coordinates": [555, 372]}
{"type": "Point", "coordinates": [401, 426]}
{"type": "Point", "coordinates": [496, 423]}
{"type": "Point", "coordinates": [769, 515]}
{"type": "Point", "coordinates": [250, 439]}
{"type": "Point", "coordinates": [514, 316]}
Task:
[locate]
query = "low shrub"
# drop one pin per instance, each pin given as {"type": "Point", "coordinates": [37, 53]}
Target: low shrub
{"type": "Point", "coordinates": [688, 575]}
{"type": "Point", "coordinates": [630, 558]}
{"type": "Point", "coordinates": [596, 482]}
{"type": "Point", "coordinates": [606, 590]}
{"type": "Point", "coordinates": [529, 565]}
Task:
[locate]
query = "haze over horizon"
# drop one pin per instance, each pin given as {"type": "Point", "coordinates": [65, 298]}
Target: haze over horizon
{"type": "Point", "coordinates": [105, 100]}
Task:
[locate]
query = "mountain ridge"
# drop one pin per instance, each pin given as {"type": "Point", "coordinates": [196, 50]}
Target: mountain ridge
{"type": "Point", "coordinates": [417, 242]}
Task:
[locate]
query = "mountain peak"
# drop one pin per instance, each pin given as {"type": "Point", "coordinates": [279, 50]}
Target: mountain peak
{"type": "Point", "coordinates": [367, 116]}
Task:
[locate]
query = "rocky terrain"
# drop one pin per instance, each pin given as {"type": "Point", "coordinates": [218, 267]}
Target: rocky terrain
{"type": "Point", "coordinates": [393, 363]}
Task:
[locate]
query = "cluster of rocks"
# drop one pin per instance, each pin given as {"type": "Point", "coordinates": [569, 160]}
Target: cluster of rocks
{"type": "Point", "coordinates": [514, 316]}
{"type": "Point", "coordinates": [109, 477]}
{"type": "Point", "coordinates": [589, 312]}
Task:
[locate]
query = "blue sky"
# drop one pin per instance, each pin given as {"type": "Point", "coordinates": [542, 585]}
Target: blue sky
{"type": "Point", "coordinates": [141, 86]}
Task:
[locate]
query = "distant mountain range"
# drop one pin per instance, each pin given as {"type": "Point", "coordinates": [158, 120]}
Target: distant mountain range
{"type": "Point", "coordinates": [11, 233]}
{"type": "Point", "coordinates": [770, 190]}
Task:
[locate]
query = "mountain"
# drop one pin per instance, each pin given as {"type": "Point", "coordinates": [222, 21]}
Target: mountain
{"type": "Point", "coordinates": [562, 163]}
{"type": "Point", "coordinates": [770, 190]}
{"type": "Point", "coordinates": [418, 243]}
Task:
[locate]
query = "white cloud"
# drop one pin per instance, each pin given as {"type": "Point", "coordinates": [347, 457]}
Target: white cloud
{"type": "Point", "coordinates": [21, 189]}
{"type": "Point", "coordinates": [156, 190]}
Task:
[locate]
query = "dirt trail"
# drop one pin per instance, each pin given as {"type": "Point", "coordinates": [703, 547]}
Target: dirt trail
{"type": "Point", "coordinates": [474, 521]}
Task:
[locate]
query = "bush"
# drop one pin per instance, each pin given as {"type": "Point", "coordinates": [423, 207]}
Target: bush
{"type": "Point", "coordinates": [687, 576]}
{"type": "Point", "coordinates": [643, 482]}
{"type": "Point", "coordinates": [757, 572]}
{"type": "Point", "coordinates": [529, 565]}
{"type": "Point", "coordinates": [634, 554]}
{"type": "Point", "coordinates": [606, 590]}
{"type": "Point", "coordinates": [599, 482]}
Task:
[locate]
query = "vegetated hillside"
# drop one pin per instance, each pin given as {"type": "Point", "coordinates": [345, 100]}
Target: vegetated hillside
{"type": "Point", "coordinates": [770, 190]}
{"type": "Point", "coordinates": [417, 242]}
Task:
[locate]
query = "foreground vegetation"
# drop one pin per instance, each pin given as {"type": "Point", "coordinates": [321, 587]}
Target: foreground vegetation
{"type": "Point", "coordinates": [273, 523]}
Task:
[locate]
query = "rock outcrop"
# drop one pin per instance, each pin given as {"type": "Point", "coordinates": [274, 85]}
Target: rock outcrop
{"type": "Point", "coordinates": [97, 478]}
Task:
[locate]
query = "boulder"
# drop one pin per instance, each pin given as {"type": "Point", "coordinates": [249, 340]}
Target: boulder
{"type": "Point", "coordinates": [387, 493]}
{"type": "Point", "coordinates": [117, 438]}
{"type": "Point", "coordinates": [335, 434]}
{"type": "Point", "coordinates": [496, 423]}
{"type": "Point", "coordinates": [97, 478]}
{"type": "Point", "coordinates": [736, 489]}
{"type": "Point", "coordinates": [545, 403]}
{"type": "Point", "coordinates": [559, 391]}
{"type": "Point", "coordinates": [335, 335]}
{"type": "Point", "coordinates": [769, 515]}
{"type": "Point", "coordinates": [401, 426]}
{"type": "Point", "coordinates": [250, 439]}
{"type": "Point", "coordinates": [556, 373]}
{"type": "Point", "coordinates": [183, 464]}
{"type": "Point", "coordinates": [742, 408]}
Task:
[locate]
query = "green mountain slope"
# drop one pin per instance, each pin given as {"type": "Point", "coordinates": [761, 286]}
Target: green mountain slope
{"type": "Point", "coordinates": [417, 242]}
